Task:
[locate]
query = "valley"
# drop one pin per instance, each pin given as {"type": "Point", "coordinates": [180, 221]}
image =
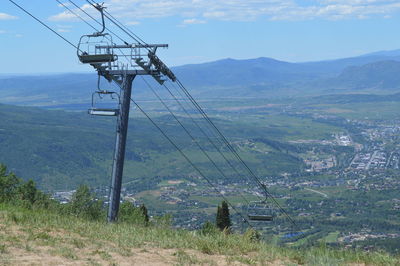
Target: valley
{"type": "Point", "coordinates": [331, 159]}
{"type": "Point", "coordinates": [335, 172]}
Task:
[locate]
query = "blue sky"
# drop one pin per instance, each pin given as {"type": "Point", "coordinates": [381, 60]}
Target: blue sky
{"type": "Point", "coordinates": [205, 30]}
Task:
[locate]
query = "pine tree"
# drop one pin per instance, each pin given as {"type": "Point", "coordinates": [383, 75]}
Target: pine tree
{"type": "Point", "coordinates": [223, 219]}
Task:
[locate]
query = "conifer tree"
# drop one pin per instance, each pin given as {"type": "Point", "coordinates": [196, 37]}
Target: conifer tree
{"type": "Point", "coordinates": [223, 220]}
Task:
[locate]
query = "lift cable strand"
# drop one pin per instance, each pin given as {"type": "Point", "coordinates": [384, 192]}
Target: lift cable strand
{"type": "Point", "coordinates": [90, 25]}
{"type": "Point", "coordinates": [206, 135]}
{"type": "Point", "coordinates": [77, 15]}
{"type": "Point", "coordinates": [90, 16]}
{"type": "Point", "coordinates": [44, 24]}
{"type": "Point", "coordinates": [92, 3]}
{"type": "Point", "coordinates": [233, 150]}
{"type": "Point", "coordinates": [185, 129]}
{"type": "Point", "coordinates": [191, 136]}
{"type": "Point", "coordinates": [191, 163]}
{"type": "Point", "coordinates": [118, 24]}
{"type": "Point", "coordinates": [201, 111]}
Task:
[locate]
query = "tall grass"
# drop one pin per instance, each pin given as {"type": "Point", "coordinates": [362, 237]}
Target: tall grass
{"type": "Point", "coordinates": [123, 237]}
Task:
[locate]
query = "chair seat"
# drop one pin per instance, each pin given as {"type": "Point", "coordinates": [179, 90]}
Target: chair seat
{"type": "Point", "coordinates": [98, 58]}
{"type": "Point", "coordinates": [103, 112]}
{"type": "Point", "coordinates": [257, 217]}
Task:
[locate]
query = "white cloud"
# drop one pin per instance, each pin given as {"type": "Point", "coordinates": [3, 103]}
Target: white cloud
{"type": "Point", "coordinates": [2, 31]}
{"type": "Point", "coordinates": [64, 16]}
{"type": "Point", "coordinates": [132, 11]}
{"type": "Point", "coordinates": [4, 16]}
{"type": "Point", "coordinates": [193, 21]}
{"type": "Point", "coordinates": [68, 16]}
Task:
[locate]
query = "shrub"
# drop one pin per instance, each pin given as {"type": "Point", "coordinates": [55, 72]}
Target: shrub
{"type": "Point", "coordinates": [9, 184]}
{"type": "Point", "coordinates": [128, 213]}
{"type": "Point", "coordinates": [85, 204]}
{"type": "Point", "coordinates": [252, 235]}
{"type": "Point", "coordinates": [209, 228]}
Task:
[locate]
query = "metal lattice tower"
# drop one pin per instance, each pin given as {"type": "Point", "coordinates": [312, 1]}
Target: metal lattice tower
{"type": "Point", "coordinates": [103, 54]}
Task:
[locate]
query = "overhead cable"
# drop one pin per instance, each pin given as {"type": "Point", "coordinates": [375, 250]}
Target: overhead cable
{"type": "Point", "coordinates": [44, 24]}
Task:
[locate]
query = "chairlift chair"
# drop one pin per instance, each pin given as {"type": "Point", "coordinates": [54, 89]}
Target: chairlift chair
{"type": "Point", "coordinates": [96, 49]}
{"type": "Point", "coordinates": [103, 111]}
{"type": "Point", "coordinates": [260, 211]}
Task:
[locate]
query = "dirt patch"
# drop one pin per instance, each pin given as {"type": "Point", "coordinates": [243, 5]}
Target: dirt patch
{"type": "Point", "coordinates": [68, 250]}
{"type": "Point", "coordinates": [147, 256]}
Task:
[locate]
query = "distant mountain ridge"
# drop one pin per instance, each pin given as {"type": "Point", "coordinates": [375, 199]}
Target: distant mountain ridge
{"type": "Point", "coordinates": [259, 77]}
{"type": "Point", "coordinates": [380, 75]}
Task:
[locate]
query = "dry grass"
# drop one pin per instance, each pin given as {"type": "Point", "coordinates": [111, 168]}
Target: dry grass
{"type": "Point", "coordinates": [45, 238]}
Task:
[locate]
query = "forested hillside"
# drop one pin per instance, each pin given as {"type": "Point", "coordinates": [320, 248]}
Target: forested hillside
{"type": "Point", "coordinates": [61, 150]}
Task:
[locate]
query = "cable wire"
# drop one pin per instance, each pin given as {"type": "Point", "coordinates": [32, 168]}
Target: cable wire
{"type": "Point", "coordinates": [194, 102]}
{"type": "Point", "coordinates": [190, 162]}
{"type": "Point", "coordinates": [136, 38]}
{"type": "Point", "coordinates": [213, 162]}
{"type": "Point", "coordinates": [77, 15]}
{"type": "Point", "coordinates": [190, 135]}
{"type": "Point", "coordinates": [90, 16]}
{"type": "Point", "coordinates": [116, 23]}
{"type": "Point", "coordinates": [201, 111]}
{"type": "Point", "coordinates": [44, 24]}
{"type": "Point", "coordinates": [206, 135]}
{"type": "Point", "coordinates": [132, 35]}
{"type": "Point", "coordinates": [90, 25]}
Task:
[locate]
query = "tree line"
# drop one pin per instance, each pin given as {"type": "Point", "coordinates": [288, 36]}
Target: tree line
{"type": "Point", "coordinates": [85, 204]}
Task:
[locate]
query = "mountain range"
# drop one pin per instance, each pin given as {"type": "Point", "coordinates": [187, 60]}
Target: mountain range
{"type": "Point", "coordinates": [261, 77]}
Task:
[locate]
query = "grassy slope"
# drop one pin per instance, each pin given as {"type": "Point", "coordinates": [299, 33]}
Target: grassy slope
{"type": "Point", "coordinates": [41, 237]}
{"type": "Point", "coordinates": [61, 150]}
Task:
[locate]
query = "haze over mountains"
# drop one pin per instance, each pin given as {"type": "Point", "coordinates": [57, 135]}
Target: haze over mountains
{"type": "Point", "coordinates": [261, 77]}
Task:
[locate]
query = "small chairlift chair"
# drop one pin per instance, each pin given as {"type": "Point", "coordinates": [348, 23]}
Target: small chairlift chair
{"type": "Point", "coordinates": [260, 210]}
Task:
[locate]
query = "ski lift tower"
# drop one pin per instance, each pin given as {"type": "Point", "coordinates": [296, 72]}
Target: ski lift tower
{"type": "Point", "coordinates": [99, 50]}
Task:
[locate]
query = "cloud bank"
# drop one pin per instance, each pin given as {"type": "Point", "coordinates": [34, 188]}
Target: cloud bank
{"type": "Point", "coordinates": [200, 11]}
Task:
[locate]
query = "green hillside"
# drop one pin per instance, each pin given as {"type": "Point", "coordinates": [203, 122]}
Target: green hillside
{"type": "Point", "coordinates": [60, 150]}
